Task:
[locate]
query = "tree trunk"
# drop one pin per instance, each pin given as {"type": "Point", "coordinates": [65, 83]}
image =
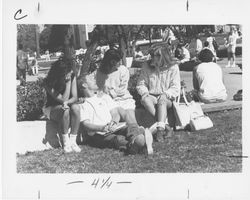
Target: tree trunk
{"type": "Point", "coordinates": [123, 49]}
{"type": "Point", "coordinates": [37, 42]}
{"type": "Point", "coordinates": [97, 32]}
{"type": "Point", "coordinates": [87, 59]}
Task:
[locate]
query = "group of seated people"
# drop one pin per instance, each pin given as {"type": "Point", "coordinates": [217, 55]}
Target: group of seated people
{"type": "Point", "coordinates": [99, 100]}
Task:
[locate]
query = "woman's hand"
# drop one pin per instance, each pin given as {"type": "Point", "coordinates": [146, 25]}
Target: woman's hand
{"type": "Point", "coordinates": [65, 105]}
{"type": "Point", "coordinates": [68, 77]}
{"type": "Point", "coordinates": [81, 100]}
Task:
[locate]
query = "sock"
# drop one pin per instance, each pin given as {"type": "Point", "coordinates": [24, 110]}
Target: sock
{"type": "Point", "coordinates": [65, 138]}
{"type": "Point", "coordinates": [73, 138]}
{"type": "Point", "coordinates": [161, 125]}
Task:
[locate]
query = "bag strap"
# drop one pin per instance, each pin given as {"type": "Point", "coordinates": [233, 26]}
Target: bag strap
{"type": "Point", "coordinates": [184, 96]}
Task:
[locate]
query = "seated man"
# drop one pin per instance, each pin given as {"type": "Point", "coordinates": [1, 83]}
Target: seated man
{"type": "Point", "coordinates": [99, 115]}
{"type": "Point", "coordinates": [208, 79]}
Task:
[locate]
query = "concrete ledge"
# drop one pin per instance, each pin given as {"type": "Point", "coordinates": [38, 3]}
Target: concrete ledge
{"type": "Point", "coordinates": [228, 105]}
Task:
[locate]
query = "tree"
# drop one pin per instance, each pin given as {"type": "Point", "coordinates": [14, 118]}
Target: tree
{"type": "Point", "coordinates": [26, 35]}
{"type": "Point", "coordinates": [44, 38]}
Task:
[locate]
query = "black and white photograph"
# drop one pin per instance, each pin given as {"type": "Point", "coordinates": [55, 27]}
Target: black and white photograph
{"type": "Point", "coordinates": [129, 98]}
{"type": "Point", "coordinates": [125, 100]}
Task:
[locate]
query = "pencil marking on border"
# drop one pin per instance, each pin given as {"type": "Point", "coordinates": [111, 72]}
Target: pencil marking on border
{"type": "Point", "coordinates": [237, 156]}
{"type": "Point", "coordinates": [123, 182]}
{"type": "Point", "coordinates": [75, 182]}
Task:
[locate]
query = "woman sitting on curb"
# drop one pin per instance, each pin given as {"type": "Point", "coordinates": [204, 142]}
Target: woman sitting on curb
{"type": "Point", "coordinates": [159, 85]}
{"type": "Point", "coordinates": [208, 79]}
{"type": "Point", "coordinates": [61, 89]}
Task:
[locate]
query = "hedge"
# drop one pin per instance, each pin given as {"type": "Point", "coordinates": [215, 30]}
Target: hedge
{"type": "Point", "coordinates": [30, 100]}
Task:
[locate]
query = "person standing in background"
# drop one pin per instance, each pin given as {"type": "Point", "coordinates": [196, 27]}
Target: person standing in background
{"type": "Point", "coordinates": [231, 46]}
{"type": "Point", "coordinates": [22, 65]}
{"type": "Point", "coordinates": [198, 45]}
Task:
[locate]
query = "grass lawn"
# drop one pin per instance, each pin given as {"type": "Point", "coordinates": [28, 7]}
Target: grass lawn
{"type": "Point", "coordinates": [214, 150]}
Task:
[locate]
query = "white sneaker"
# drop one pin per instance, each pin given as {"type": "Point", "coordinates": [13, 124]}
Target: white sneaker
{"type": "Point", "coordinates": [233, 65]}
{"type": "Point", "coordinates": [227, 66]}
{"type": "Point", "coordinates": [149, 141]}
{"type": "Point", "coordinates": [66, 143]}
{"type": "Point", "coordinates": [67, 148]}
{"type": "Point", "coordinates": [75, 147]}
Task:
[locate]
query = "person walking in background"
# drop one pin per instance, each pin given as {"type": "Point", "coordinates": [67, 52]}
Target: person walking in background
{"type": "Point", "coordinates": [22, 65]}
{"type": "Point", "coordinates": [47, 55]}
{"type": "Point", "coordinates": [61, 89]}
{"type": "Point", "coordinates": [34, 65]}
{"type": "Point", "coordinates": [210, 40]}
{"type": "Point", "coordinates": [198, 45]}
{"type": "Point", "coordinates": [231, 46]}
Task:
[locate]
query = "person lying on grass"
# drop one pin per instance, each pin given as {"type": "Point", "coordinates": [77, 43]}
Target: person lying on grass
{"type": "Point", "coordinates": [61, 89]}
{"type": "Point", "coordinates": [100, 116]}
{"type": "Point", "coordinates": [159, 85]}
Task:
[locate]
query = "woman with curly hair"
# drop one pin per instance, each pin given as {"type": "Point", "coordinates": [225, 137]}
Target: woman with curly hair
{"type": "Point", "coordinates": [61, 89]}
{"type": "Point", "coordinates": [158, 85]}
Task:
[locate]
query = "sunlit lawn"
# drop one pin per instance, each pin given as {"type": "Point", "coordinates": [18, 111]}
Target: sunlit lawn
{"type": "Point", "coordinates": [214, 150]}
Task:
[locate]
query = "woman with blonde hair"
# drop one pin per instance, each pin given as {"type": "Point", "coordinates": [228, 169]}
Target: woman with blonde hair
{"type": "Point", "coordinates": [159, 85]}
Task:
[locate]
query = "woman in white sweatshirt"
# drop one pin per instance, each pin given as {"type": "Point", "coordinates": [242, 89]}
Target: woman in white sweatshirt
{"type": "Point", "coordinates": [159, 85]}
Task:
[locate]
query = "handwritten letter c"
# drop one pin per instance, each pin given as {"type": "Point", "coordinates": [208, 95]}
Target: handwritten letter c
{"type": "Point", "coordinates": [19, 12]}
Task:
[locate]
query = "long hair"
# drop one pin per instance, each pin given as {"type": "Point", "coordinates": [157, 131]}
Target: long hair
{"type": "Point", "coordinates": [111, 54]}
{"type": "Point", "coordinates": [167, 58]}
{"type": "Point", "coordinates": [56, 75]}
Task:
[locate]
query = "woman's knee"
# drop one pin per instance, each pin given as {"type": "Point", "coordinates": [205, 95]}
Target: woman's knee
{"type": "Point", "coordinates": [147, 101]}
{"type": "Point", "coordinates": [75, 109]}
{"type": "Point", "coordinates": [163, 100]}
{"type": "Point", "coordinates": [66, 114]}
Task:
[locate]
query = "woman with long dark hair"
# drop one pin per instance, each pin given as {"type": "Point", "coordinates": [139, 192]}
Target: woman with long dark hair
{"type": "Point", "coordinates": [61, 89]}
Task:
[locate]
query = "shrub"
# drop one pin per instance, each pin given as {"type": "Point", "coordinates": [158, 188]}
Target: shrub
{"type": "Point", "coordinates": [30, 100]}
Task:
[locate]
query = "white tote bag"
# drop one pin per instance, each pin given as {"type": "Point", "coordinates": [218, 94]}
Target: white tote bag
{"type": "Point", "coordinates": [185, 111]}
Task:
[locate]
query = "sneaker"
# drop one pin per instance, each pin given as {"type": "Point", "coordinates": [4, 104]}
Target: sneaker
{"type": "Point", "coordinates": [169, 131]}
{"type": "Point", "coordinates": [67, 148]}
{"type": "Point", "coordinates": [75, 147]}
{"type": "Point", "coordinates": [227, 66]}
{"type": "Point", "coordinates": [158, 136]}
{"type": "Point", "coordinates": [149, 141]}
{"type": "Point", "coordinates": [137, 145]}
{"type": "Point", "coordinates": [66, 143]}
{"type": "Point", "coordinates": [120, 143]}
{"type": "Point", "coordinates": [233, 65]}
